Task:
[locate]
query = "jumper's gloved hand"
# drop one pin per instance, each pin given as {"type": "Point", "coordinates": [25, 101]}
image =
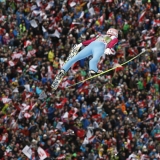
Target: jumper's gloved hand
{"type": "Point", "coordinates": [79, 45]}
{"type": "Point", "coordinates": [109, 51]}
{"type": "Point", "coordinates": [98, 35]}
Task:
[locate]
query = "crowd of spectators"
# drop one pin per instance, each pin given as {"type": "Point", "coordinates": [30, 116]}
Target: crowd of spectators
{"type": "Point", "coordinates": [112, 117]}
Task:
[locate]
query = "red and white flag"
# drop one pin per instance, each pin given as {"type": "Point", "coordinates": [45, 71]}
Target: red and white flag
{"type": "Point", "coordinates": [61, 157]}
{"type": "Point", "coordinates": [97, 116]}
{"type": "Point", "coordinates": [143, 44]}
{"type": "Point", "coordinates": [33, 68]}
{"type": "Point", "coordinates": [50, 69]}
{"type": "Point", "coordinates": [19, 70]}
{"type": "Point", "coordinates": [5, 100]}
{"type": "Point", "coordinates": [61, 104]}
{"type": "Point", "coordinates": [150, 116]}
{"type": "Point", "coordinates": [32, 106]}
{"type": "Point", "coordinates": [4, 138]}
{"type": "Point", "coordinates": [84, 89]}
{"type": "Point", "coordinates": [31, 53]}
{"type": "Point", "coordinates": [28, 95]}
{"type": "Point", "coordinates": [156, 22]}
{"type": "Point", "coordinates": [72, 26]}
{"type": "Point", "coordinates": [127, 144]}
{"type": "Point", "coordinates": [59, 29]}
{"type": "Point", "coordinates": [75, 67]}
{"type": "Point", "coordinates": [41, 153]}
{"type": "Point", "coordinates": [72, 3]}
{"type": "Point", "coordinates": [91, 139]}
{"type": "Point", "coordinates": [101, 20]}
{"type": "Point", "coordinates": [2, 18]}
{"type": "Point", "coordinates": [35, 13]}
{"type": "Point", "coordinates": [50, 72]}
{"type": "Point", "coordinates": [65, 115]}
{"type": "Point", "coordinates": [108, 96]}
{"type": "Point", "coordinates": [118, 67]}
{"type": "Point", "coordinates": [108, 77]}
{"type": "Point", "coordinates": [65, 83]}
{"type": "Point", "coordinates": [149, 97]}
{"type": "Point", "coordinates": [157, 135]}
{"type": "Point", "coordinates": [43, 104]}
{"type": "Point", "coordinates": [27, 115]}
{"type": "Point", "coordinates": [16, 55]}
{"type": "Point", "coordinates": [148, 37]}
{"type": "Point", "coordinates": [52, 19]}
{"type": "Point", "coordinates": [11, 63]}
{"type": "Point", "coordinates": [48, 6]}
{"type": "Point", "coordinates": [27, 43]}
{"type": "Point", "coordinates": [158, 155]}
{"type": "Point", "coordinates": [53, 24]}
{"type": "Point", "coordinates": [142, 16]}
{"type": "Point", "coordinates": [145, 157]}
{"type": "Point", "coordinates": [45, 111]}
{"type": "Point", "coordinates": [13, 113]}
{"type": "Point", "coordinates": [151, 31]}
{"type": "Point", "coordinates": [145, 135]}
{"type": "Point", "coordinates": [25, 107]}
{"type": "Point", "coordinates": [73, 113]}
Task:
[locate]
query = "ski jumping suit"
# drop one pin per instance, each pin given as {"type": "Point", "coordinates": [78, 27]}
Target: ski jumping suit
{"type": "Point", "coordinates": [94, 47]}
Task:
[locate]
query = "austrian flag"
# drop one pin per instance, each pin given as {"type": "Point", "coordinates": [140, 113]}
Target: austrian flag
{"type": "Point", "coordinates": [156, 22]}
{"type": "Point", "coordinates": [2, 18]}
{"type": "Point", "coordinates": [11, 63]}
{"type": "Point", "coordinates": [65, 83]}
{"type": "Point", "coordinates": [101, 20]}
{"type": "Point", "coordinates": [31, 53]}
{"type": "Point", "coordinates": [142, 15]}
{"type": "Point", "coordinates": [61, 157]}
{"type": "Point", "coordinates": [61, 104]}
{"type": "Point", "coordinates": [27, 43]}
{"type": "Point", "coordinates": [27, 115]}
{"type": "Point", "coordinates": [5, 100]}
{"type": "Point", "coordinates": [16, 55]}
{"type": "Point", "coordinates": [33, 68]}
{"type": "Point", "coordinates": [19, 70]}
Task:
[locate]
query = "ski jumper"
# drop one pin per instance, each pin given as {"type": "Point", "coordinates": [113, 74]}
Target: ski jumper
{"type": "Point", "coordinates": [94, 47]}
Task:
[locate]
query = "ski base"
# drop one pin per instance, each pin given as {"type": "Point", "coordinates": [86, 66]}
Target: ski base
{"type": "Point", "coordinates": [58, 80]}
{"type": "Point", "coordinates": [55, 84]}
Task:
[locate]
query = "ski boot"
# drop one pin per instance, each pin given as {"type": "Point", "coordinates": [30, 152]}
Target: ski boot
{"type": "Point", "coordinates": [93, 73]}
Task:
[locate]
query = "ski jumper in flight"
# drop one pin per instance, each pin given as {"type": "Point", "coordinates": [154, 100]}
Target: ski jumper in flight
{"type": "Point", "coordinates": [95, 47]}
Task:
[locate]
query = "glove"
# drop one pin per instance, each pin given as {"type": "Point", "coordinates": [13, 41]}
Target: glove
{"type": "Point", "coordinates": [77, 46]}
{"type": "Point", "coordinates": [109, 51]}
{"type": "Point", "coordinates": [80, 45]}
{"type": "Point", "coordinates": [99, 34]}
